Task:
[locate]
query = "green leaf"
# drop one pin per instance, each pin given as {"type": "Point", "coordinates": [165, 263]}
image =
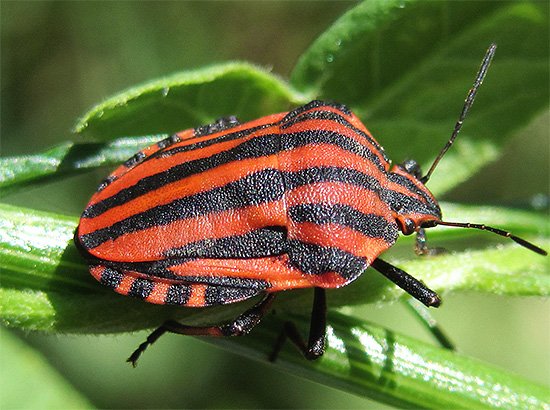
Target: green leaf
{"type": "Point", "coordinates": [404, 103]}
{"type": "Point", "coordinates": [346, 54]}
{"type": "Point", "coordinates": [68, 158]}
{"type": "Point", "coordinates": [46, 284]}
{"type": "Point", "coordinates": [189, 99]}
{"type": "Point", "coordinates": [23, 367]}
{"type": "Point", "coordinates": [405, 68]}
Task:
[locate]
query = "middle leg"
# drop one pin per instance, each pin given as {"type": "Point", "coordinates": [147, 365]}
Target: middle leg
{"type": "Point", "coordinates": [315, 346]}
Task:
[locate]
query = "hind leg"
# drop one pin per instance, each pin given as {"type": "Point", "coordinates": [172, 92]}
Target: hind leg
{"type": "Point", "coordinates": [240, 326]}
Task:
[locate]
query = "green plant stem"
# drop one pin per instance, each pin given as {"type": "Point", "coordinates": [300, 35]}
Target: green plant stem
{"type": "Point", "coordinates": [368, 360]}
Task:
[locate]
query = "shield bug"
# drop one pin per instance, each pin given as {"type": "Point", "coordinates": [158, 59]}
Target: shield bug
{"type": "Point", "coordinates": [228, 211]}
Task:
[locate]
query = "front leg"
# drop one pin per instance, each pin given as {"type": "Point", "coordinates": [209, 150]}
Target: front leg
{"type": "Point", "coordinates": [421, 246]}
{"type": "Point", "coordinates": [408, 283]}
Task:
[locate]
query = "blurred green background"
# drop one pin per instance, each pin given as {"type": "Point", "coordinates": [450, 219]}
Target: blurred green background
{"type": "Point", "coordinates": [60, 58]}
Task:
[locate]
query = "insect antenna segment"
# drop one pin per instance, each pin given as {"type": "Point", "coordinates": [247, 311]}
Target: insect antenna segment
{"type": "Point", "coordinates": [497, 231]}
{"type": "Point", "coordinates": [467, 104]}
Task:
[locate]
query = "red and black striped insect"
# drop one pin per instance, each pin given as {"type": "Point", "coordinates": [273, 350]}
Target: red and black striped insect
{"type": "Point", "coordinates": [229, 211]}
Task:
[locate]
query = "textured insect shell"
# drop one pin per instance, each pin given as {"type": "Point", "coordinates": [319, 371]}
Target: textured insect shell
{"type": "Point", "coordinates": [291, 200]}
{"type": "Point", "coordinates": [411, 202]}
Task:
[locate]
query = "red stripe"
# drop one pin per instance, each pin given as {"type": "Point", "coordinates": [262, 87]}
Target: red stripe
{"type": "Point", "coordinates": [276, 270]}
{"type": "Point", "coordinates": [333, 193]}
{"type": "Point", "coordinates": [158, 295]}
{"type": "Point", "coordinates": [97, 271]}
{"type": "Point", "coordinates": [186, 134]}
{"type": "Point", "coordinates": [161, 164]}
{"type": "Point", "coordinates": [338, 236]}
{"type": "Point", "coordinates": [150, 244]}
{"type": "Point", "coordinates": [193, 184]}
{"type": "Point", "coordinates": [124, 287]}
{"type": "Point", "coordinates": [197, 297]}
{"type": "Point", "coordinates": [150, 150]}
{"type": "Point", "coordinates": [320, 124]}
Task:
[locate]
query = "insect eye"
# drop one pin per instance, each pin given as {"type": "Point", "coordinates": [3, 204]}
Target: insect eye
{"type": "Point", "coordinates": [412, 167]}
{"type": "Point", "coordinates": [407, 226]}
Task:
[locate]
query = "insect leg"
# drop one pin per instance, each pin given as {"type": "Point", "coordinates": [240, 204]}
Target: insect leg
{"type": "Point", "coordinates": [409, 284]}
{"type": "Point", "coordinates": [421, 247]}
{"type": "Point", "coordinates": [422, 314]}
{"type": "Point", "coordinates": [317, 331]}
{"type": "Point", "coordinates": [240, 326]}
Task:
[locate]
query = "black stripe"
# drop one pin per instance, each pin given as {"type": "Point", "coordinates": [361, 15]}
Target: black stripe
{"type": "Point", "coordinates": [141, 288]}
{"type": "Point", "coordinates": [371, 225]}
{"type": "Point", "coordinates": [111, 278]}
{"type": "Point", "coordinates": [158, 268]}
{"type": "Point", "coordinates": [261, 187]}
{"type": "Point", "coordinates": [230, 136]}
{"type": "Point", "coordinates": [103, 184]}
{"type": "Point", "coordinates": [314, 175]}
{"type": "Point", "coordinates": [227, 281]}
{"type": "Point", "coordinates": [166, 142]}
{"type": "Point", "coordinates": [221, 295]}
{"type": "Point", "coordinates": [261, 146]}
{"type": "Point", "coordinates": [397, 202]}
{"type": "Point", "coordinates": [171, 175]}
{"type": "Point", "coordinates": [407, 205]}
{"type": "Point", "coordinates": [250, 190]}
{"type": "Point", "coordinates": [315, 104]}
{"type": "Point", "coordinates": [254, 244]}
{"type": "Point", "coordinates": [257, 147]}
{"type": "Point", "coordinates": [332, 116]}
{"type": "Point", "coordinates": [135, 159]}
{"type": "Point", "coordinates": [177, 294]}
{"type": "Point", "coordinates": [317, 260]}
{"type": "Point", "coordinates": [300, 139]}
{"type": "Point", "coordinates": [407, 183]}
{"type": "Point", "coordinates": [138, 158]}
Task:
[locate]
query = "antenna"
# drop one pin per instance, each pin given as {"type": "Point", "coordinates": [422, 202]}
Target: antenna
{"type": "Point", "coordinates": [467, 104]}
{"type": "Point", "coordinates": [500, 232]}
